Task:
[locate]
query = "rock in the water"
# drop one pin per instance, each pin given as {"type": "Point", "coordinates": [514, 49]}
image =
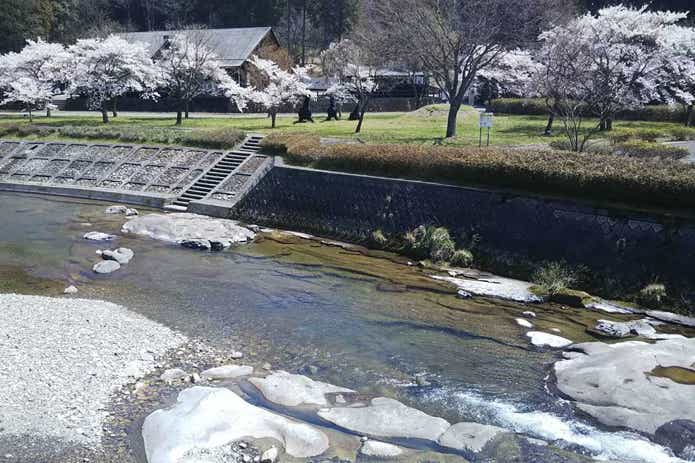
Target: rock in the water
{"type": "Point", "coordinates": [494, 286]}
{"type": "Point", "coordinates": [385, 417]}
{"type": "Point", "coordinates": [292, 390]}
{"type": "Point", "coordinates": [270, 455]}
{"type": "Point", "coordinates": [672, 317]}
{"type": "Point", "coordinates": [529, 314]}
{"type": "Point", "coordinates": [615, 383]}
{"type": "Point", "coordinates": [173, 375]}
{"type": "Point", "coordinates": [236, 355]}
{"type": "Point", "coordinates": [625, 329]}
{"type": "Point", "coordinates": [120, 255]}
{"type": "Point", "coordinates": [376, 449]}
{"type": "Point", "coordinates": [227, 372]}
{"type": "Point", "coordinates": [192, 229]}
{"type": "Point", "coordinates": [679, 435]}
{"type": "Point", "coordinates": [610, 307]}
{"type": "Point", "coordinates": [524, 323]}
{"type": "Point", "coordinates": [99, 236]}
{"type": "Point", "coordinates": [121, 210]}
{"type": "Point", "coordinates": [106, 266]}
{"type": "Point", "coordinates": [572, 298]}
{"type": "Point", "coordinates": [539, 338]}
{"type": "Point", "coordinates": [206, 417]}
{"type": "Point", "coordinates": [70, 290]}
{"type": "Point", "coordinates": [198, 244]}
{"type": "Point", "coordinates": [471, 437]}
{"type": "Point", "coordinates": [463, 294]}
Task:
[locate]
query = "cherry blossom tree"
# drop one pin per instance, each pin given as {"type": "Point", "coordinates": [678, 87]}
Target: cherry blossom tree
{"type": "Point", "coordinates": [33, 76]}
{"type": "Point", "coordinates": [354, 68]}
{"type": "Point", "coordinates": [190, 68]}
{"type": "Point", "coordinates": [280, 87]}
{"type": "Point", "coordinates": [105, 69]}
{"type": "Point", "coordinates": [510, 74]}
{"type": "Point", "coordinates": [596, 66]}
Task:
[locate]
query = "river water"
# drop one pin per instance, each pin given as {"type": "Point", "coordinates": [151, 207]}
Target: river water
{"type": "Point", "coordinates": [364, 320]}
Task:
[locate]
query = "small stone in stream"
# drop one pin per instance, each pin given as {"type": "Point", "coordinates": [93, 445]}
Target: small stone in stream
{"type": "Point", "coordinates": [172, 375]}
{"type": "Point", "coordinates": [463, 294]}
{"type": "Point", "coordinates": [236, 355]}
{"type": "Point", "coordinates": [227, 372]}
{"type": "Point", "coordinates": [624, 329]}
{"type": "Point", "coordinates": [421, 381]}
{"type": "Point", "coordinates": [99, 236]}
{"type": "Point", "coordinates": [529, 314]}
{"type": "Point", "coordinates": [120, 255]}
{"type": "Point", "coordinates": [195, 378]}
{"type": "Point", "coordinates": [270, 455]}
{"type": "Point", "coordinates": [70, 290]}
{"type": "Point", "coordinates": [376, 449]}
{"type": "Point", "coordinates": [538, 338]}
{"type": "Point", "coordinates": [555, 330]}
{"type": "Point", "coordinates": [243, 445]}
{"type": "Point", "coordinates": [197, 244]}
{"type": "Point", "coordinates": [219, 245]}
{"type": "Point", "coordinates": [106, 267]}
{"type": "Point", "coordinates": [267, 366]}
{"type": "Point", "coordinates": [313, 369]}
{"type": "Point", "coordinates": [121, 210]}
{"type": "Point", "coordinates": [524, 323]}
{"type": "Point", "coordinates": [340, 399]}
{"type": "Point", "coordinates": [678, 435]}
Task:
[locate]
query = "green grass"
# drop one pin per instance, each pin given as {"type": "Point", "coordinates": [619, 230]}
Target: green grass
{"type": "Point", "coordinates": [425, 126]}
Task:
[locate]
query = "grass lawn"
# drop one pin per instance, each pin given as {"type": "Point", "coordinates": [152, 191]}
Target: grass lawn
{"type": "Point", "coordinates": [425, 126]}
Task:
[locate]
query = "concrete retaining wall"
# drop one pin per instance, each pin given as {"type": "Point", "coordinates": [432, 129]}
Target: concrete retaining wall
{"type": "Point", "coordinates": [634, 246]}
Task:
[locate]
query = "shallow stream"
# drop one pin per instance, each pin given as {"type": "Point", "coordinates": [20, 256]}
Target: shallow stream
{"type": "Point", "coordinates": [365, 320]}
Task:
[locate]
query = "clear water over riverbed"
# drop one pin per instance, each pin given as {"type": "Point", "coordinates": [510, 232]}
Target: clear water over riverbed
{"type": "Point", "coordinates": [369, 322]}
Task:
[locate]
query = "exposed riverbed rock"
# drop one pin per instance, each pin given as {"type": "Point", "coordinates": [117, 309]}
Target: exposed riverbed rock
{"type": "Point", "coordinates": [119, 209]}
{"type": "Point", "coordinates": [382, 450]}
{"type": "Point", "coordinates": [625, 329]}
{"type": "Point", "coordinates": [539, 338]}
{"type": "Point", "coordinates": [99, 236]}
{"type": "Point", "coordinates": [106, 266]}
{"type": "Point", "coordinates": [70, 290]}
{"type": "Point", "coordinates": [615, 383]}
{"type": "Point", "coordinates": [672, 318]}
{"type": "Point", "coordinates": [292, 390]}
{"type": "Point", "coordinates": [385, 417]}
{"type": "Point", "coordinates": [120, 255]}
{"type": "Point", "coordinates": [227, 372]}
{"type": "Point", "coordinates": [191, 230]}
{"type": "Point", "coordinates": [206, 417]}
{"type": "Point", "coordinates": [470, 437]}
{"type": "Point", "coordinates": [490, 285]}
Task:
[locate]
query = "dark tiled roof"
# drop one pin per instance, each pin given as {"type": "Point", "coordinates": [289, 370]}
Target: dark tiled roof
{"type": "Point", "coordinates": [232, 46]}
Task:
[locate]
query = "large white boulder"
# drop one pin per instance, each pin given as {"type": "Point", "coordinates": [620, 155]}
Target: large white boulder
{"type": "Point", "coordinates": [470, 437]}
{"type": "Point", "coordinates": [187, 228]}
{"type": "Point", "coordinates": [206, 417]}
{"type": "Point", "coordinates": [493, 286]}
{"type": "Point", "coordinates": [539, 338]}
{"type": "Point", "coordinates": [292, 390]}
{"type": "Point", "coordinates": [385, 417]}
{"type": "Point", "coordinates": [613, 382]}
{"type": "Point", "coordinates": [106, 266]}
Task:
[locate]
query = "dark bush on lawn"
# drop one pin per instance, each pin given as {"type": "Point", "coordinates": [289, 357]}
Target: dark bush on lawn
{"type": "Point", "coordinates": [213, 139]}
{"type": "Point", "coordinates": [537, 106]}
{"type": "Point", "coordinates": [636, 181]}
{"type": "Point", "coordinates": [641, 149]}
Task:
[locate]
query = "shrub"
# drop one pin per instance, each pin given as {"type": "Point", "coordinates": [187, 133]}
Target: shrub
{"type": "Point", "coordinates": [652, 295]}
{"type": "Point", "coordinates": [532, 106]}
{"type": "Point", "coordinates": [440, 245]}
{"type": "Point", "coordinates": [462, 258]}
{"type": "Point", "coordinates": [643, 149]}
{"type": "Point", "coordinates": [682, 133]}
{"type": "Point", "coordinates": [630, 180]}
{"type": "Point", "coordinates": [647, 134]}
{"type": "Point", "coordinates": [379, 239]}
{"type": "Point", "coordinates": [213, 139]}
{"type": "Point", "coordinates": [554, 277]}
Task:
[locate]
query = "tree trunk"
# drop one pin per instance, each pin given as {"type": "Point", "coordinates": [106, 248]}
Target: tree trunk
{"type": "Point", "coordinates": [104, 113]}
{"type": "Point", "coordinates": [549, 126]}
{"type": "Point", "coordinates": [186, 110]}
{"type": "Point", "coordinates": [115, 107]}
{"type": "Point", "coordinates": [31, 116]}
{"type": "Point", "coordinates": [451, 120]}
{"type": "Point", "coordinates": [689, 116]}
{"type": "Point", "coordinates": [179, 117]}
{"type": "Point", "coordinates": [273, 116]}
{"type": "Point", "coordinates": [363, 111]}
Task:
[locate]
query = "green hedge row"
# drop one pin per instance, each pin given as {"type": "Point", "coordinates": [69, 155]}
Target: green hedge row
{"type": "Point", "coordinates": [537, 106]}
{"type": "Point", "coordinates": [639, 182]}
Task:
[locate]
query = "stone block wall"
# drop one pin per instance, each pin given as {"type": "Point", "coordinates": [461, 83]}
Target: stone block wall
{"type": "Point", "coordinates": [639, 248]}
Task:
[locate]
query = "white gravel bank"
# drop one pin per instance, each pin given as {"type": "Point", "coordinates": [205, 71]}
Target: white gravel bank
{"type": "Point", "coordinates": [61, 358]}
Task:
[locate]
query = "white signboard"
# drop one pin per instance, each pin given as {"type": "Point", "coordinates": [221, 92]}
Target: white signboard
{"type": "Point", "coordinates": [485, 120]}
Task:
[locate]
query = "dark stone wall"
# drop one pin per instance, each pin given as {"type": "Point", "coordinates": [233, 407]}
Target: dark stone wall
{"type": "Point", "coordinates": [635, 248]}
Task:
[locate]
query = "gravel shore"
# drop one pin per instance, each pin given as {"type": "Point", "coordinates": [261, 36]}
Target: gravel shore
{"type": "Point", "coordinates": [61, 358]}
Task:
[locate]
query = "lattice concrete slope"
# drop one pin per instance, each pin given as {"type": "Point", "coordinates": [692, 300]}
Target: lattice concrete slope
{"type": "Point", "coordinates": [149, 175]}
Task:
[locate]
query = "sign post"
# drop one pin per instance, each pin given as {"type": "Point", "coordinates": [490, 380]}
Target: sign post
{"type": "Point", "coordinates": [485, 123]}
